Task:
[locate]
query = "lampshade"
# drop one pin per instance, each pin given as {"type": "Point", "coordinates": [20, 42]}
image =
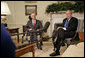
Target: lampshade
{"type": "Point", "coordinates": [4, 8]}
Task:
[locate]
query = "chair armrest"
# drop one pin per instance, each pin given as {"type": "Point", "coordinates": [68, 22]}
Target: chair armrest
{"type": "Point", "coordinates": [56, 25]}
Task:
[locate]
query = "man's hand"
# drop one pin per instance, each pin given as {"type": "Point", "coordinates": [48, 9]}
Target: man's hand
{"type": "Point", "coordinates": [59, 28]}
{"type": "Point", "coordinates": [30, 29]}
{"type": "Point", "coordinates": [37, 29]}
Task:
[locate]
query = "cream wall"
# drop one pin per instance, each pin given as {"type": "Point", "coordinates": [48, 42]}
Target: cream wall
{"type": "Point", "coordinates": [18, 17]}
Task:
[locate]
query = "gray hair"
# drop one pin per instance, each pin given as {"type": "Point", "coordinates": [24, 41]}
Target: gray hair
{"type": "Point", "coordinates": [69, 11]}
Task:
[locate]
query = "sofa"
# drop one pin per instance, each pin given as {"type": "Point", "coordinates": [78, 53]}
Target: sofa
{"type": "Point", "coordinates": [74, 50]}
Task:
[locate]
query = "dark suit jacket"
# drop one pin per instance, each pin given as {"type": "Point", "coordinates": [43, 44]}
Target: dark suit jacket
{"type": "Point", "coordinates": [38, 25]}
{"type": "Point", "coordinates": [73, 23]}
{"type": "Point", "coordinates": [7, 45]}
{"type": "Point", "coordinates": [72, 26]}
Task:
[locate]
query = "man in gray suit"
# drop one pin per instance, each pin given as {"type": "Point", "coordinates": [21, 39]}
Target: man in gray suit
{"type": "Point", "coordinates": [34, 24]}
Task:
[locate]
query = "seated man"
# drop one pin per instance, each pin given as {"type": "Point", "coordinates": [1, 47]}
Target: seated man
{"type": "Point", "coordinates": [7, 45]}
{"type": "Point", "coordinates": [68, 30]}
{"type": "Point", "coordinates": [34, 24]}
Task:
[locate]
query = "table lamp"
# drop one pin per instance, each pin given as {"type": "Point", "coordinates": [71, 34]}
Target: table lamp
{"type": "Point", "coordinates": [4, 12]}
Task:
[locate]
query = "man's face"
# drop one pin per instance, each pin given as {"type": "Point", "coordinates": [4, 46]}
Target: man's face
{"type": "Point", "coordinates": [68, 14]}
{"type": "Point", "coordinates": [33, 16]}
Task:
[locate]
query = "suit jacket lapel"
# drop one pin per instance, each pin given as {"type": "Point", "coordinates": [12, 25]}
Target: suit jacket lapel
{"type": "Point", "coordinates": [35, 23]}
{"type": "Point", "coordinates": [31, 24]}
{"type": "Point", "coordinates": [69, 21]}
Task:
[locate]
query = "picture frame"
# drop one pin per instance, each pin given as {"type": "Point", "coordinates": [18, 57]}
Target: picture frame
{"type": "Point", "coordinates": [30, 8]}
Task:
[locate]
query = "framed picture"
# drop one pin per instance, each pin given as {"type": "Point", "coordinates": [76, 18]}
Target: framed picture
{"type": "Point", "coordinates": [30, 8]}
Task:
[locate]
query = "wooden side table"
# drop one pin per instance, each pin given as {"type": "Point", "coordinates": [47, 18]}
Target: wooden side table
{"type": "Point", "coordinates": [14, 30]}
{"type": "Point", "coordinates": [81, 36]}
{"type": "Point", "coordinates": [26, 49]}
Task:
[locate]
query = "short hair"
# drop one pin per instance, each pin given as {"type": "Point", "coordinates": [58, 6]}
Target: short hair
{"type": "Point", "coordinates": [69, 11]}
{"type": "Point", "coordinates": [33, 13]}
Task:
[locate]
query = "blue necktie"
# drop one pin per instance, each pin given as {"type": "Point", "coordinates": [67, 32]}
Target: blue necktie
{"type": "Point", "coordinates": [66, 24]}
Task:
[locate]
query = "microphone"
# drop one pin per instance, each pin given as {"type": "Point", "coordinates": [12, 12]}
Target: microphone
{"type": "Point", "coordinates": [45, 27]}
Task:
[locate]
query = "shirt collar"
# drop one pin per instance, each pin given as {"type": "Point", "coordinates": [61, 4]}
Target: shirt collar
{"type": "Point", "coordinates": [69, 19]}
{"type": "Point", "coordinates": [33, 21]}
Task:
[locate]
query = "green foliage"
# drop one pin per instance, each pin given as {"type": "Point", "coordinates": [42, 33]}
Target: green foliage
{"type": "Point", "coordinates": [65, 6]}
{"type": "Point", "coordinates": [52, 8]}
{"type": "Point", "coordinates": [77, 7]}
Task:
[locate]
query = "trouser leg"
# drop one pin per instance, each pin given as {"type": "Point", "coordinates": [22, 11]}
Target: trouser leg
{"type": "Point", "coordinates": [60, 37]}
{"type": "Point", "coordinates": [31, 38]}
{"type": "Point", "coordinates": [54, 34]}
{"type": "Point", "coordinates": [40, 43]}
{"type": "Point", "coordinates": [27, 36]}
{"type": "Point", "coordinates": [37, 44]}
{"type": "Point", "coordinates": [36, 40]}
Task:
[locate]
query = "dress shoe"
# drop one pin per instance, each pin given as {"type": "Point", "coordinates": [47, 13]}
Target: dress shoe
{"type": "Point", "coordinates": [41, 43]}
{"type": "Point", "coordinates": [55, 54]}
{"type": "Point", "coordinates": [40, 48]}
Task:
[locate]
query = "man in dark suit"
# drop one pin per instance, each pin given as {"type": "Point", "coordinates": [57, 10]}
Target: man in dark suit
{"type": "Point", "coordinates": [68, 30]}
{"type": "Point", "coordinates": [7, 45]}
{"type": "Point", "coordinates": [34, 24]}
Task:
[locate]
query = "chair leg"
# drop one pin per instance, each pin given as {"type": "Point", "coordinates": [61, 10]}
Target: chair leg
{"type": "Point", "coordinates": [22, 39]}
{"type": "Point", "coordinates": [68, 45]}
